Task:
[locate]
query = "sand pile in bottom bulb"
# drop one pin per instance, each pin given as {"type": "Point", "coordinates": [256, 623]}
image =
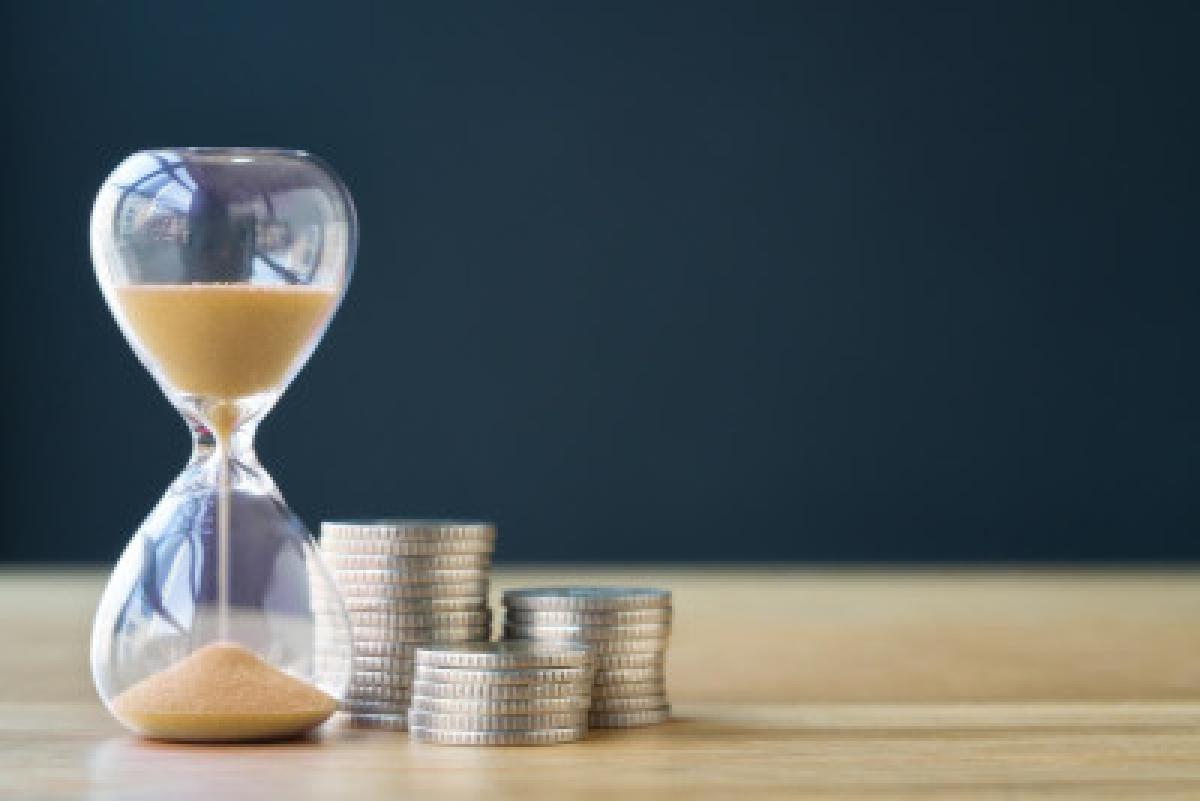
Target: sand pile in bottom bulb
{"type": "Point", "coordinates": [222, 692]}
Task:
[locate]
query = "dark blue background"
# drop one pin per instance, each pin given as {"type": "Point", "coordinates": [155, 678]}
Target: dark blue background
{"type": "Point", "coordinates": [644, 281]}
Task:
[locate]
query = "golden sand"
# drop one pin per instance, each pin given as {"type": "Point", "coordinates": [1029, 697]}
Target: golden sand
{"type": "Point", "coordinates": [222, 692]}
{"type": "Point", "coordinates": [224, 341]}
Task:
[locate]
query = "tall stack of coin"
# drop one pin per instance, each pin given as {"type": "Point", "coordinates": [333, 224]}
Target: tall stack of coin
{"type": "Point", "coordinates": [501, 694]}
{"type": "Point", "coordinates": [626, 629]}
{"type": "Point", "coordinates": [405, 584]}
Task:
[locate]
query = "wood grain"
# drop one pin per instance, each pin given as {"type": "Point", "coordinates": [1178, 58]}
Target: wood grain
{"type": "Point", "coordinates": [788, 684]}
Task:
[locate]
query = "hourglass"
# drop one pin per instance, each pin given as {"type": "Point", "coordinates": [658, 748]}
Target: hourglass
{"type": "Point", "coordinates": [223, 268]}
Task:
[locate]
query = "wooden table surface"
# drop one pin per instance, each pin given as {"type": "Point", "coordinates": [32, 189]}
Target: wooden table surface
{"type": "Point", "coordinates": [787, 684]}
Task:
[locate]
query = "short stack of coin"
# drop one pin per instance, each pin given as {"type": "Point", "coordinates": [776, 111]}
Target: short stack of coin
{"type": "Point", "coordinates": [405, 584]}
{"type": "Point", "coordinates": [501, 694]}
{"type": "Point", "coordinates": [626, 629]}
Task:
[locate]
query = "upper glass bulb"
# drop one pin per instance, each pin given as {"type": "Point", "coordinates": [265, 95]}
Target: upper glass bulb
{"type": "Point", "coordinates": [223, 267]}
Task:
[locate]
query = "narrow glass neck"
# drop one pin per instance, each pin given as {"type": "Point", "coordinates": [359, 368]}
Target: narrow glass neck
{"type": "Point", "coordinates": [239, 443]}
{"type": "Point", "coordinates": [244, 471]}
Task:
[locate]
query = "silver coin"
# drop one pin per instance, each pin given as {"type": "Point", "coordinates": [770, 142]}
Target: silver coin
{"type": "Point", "coordinates": [396, 721]}
{"type": "Point", "coordinates": [405, 554]}
{"type": "Point", "coordinates": [408, 530]}
{"type": "Point", "coordinates": [371, 692]}
{"type": "Point", "coordinates": [645, 645]}
{"type": "Point", "coordinates": [369, 667]}
{"type": "Point", "coordinates": [379, 691]}
{"type": "Point", "coordinates": [413, 605]}
{"type": "Point", "coordinates": [418, 620]}
{"type": "Point", "coordinates": [389, 649]}
{"type": "Point", "coordinates": [620, 720]}
{"type": "Point", "coordinates": [539, 737]}
{"type": "Point", "coordinates": [587, 598]}
{"type": "Point", "coordinates": [458, 589]}
{"type": "Point", "coordinates": [380, 664]}
{"type": "Point", "coordinates": [375, 707]}
{"type": "Point", "coordinates": [446, 634]}
{"type": "Point", "coordinates": [453, 721]}
{"type": "Point", "coordinates": [632, 631]}
{"type": "Point", "coordinates": [387, 656]}
{"type": "Point", "coordinates": [628, 704]}
{"type": "Point", "coordinates": [599, 647]}
{"type": "Point", "coordinates": [368, 678]}
{"type": "Point", "coordinates": [502, 676]}
{"type": "Point", "coordinates": [629, 689]}
{"type": "Point", "coordinates": [452, 561]}
{"type": "Point", "coordinates": [502, 692]}
{"type": "Point", "coordinates": [524, 654]}
{"type": "Point", "coordinates": [488, 706]}
{"type": "Point", "coordinates": [365, 547]}
{"type": "Point", "coordinates": [379, 678]}
{"type": "Point", "coordinates": [372, 577]}
{"type": "Point", "coordinates": [629, 660]}
{"type": "Point", "coordinates": [400, 600]}
{"type": "Point", "coordinates": [418, 637]}
{"type": "Point", "coordinates": [632, 674]}
{"type": "Point", "coordinates": [567, 617]}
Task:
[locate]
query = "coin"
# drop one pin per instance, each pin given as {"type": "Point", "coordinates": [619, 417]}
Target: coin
{"type": "Point", "coordinates": [599, 647]}
{"type": "Point", "coordinates": [375, 707]}
{"type": "Point", "coordinates": [633, 674]}
{"type": "Point", "coordinates": [628, 704]}
{"type": "Point", "coordinates": [359, 692]}
{"type": "Point", "coordinates": [359, 662]}
{"type": "Point", "coordinates": [617, 720]}
{"type": "Point", "coordinates": [368, 665]}
{"type": "Point", "coordinates": [408, 530]}
{"type": "Point", "coordinates": [378, 664]}
{"type": "Point", "coordinates": [362, 678]}
{"type": "Point", "coordinates": [377, 547]}
{"type": "Point", "coordinates": [567, 617]}
{"type": "Point", "coordinates": [370, 577]}
{"type": "Point", "coordinates": [381, 690]}
{"type": "Point", "coordinates": [481, 706]}
{"type": "Point", "coordinates": [389, 649]}
{"type": "Point", "coordinates": [458, 589]}
{"type": "Point", "coordinates": [461, 561]}
{"type": "Point", "coordinates": [587, 633]}
{"type": "Point", "coordinates": [502, 676]}
{"type": "Point", "coordinates": [501, 692]}
{"type": "Point", "coordinates": [384, 646]}
{"type": "Point", "coordinates": [587, 598]}
{"type": "Point", "coordinates": [628, 660]}
{"type": "Point", "coordinates": [470, 722]}
{"type": "Point", "coordinates": [522, 654]}
{"type": "Point", "coordinates": [447, 634]}
{"type": "Point", "coordinates": [413, 605]}
{"type": "Point", "coordinates": [629, 689]}
{"type": "Point", "coordinates": [395, 721]}
{"type": "Point", "coordinates": [538, 737]}
{"type": "Point", "coordinates": [419, 620]}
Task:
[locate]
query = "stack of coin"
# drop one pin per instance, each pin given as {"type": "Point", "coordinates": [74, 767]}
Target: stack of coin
{"type": "Point", "coordinates": [404, 584]}
{"type": "Point", "coordinates": [501, 694]}
{"type": "Point", "coordinates": [626, 629]}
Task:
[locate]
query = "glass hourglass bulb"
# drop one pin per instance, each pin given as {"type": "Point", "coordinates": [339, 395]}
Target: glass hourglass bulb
{"type": "Point", "coordinates": [223, 268]}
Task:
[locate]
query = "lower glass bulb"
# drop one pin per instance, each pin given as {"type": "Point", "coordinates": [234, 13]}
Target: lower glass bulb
{"type": "Point", "coordinates": [185, 649]}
